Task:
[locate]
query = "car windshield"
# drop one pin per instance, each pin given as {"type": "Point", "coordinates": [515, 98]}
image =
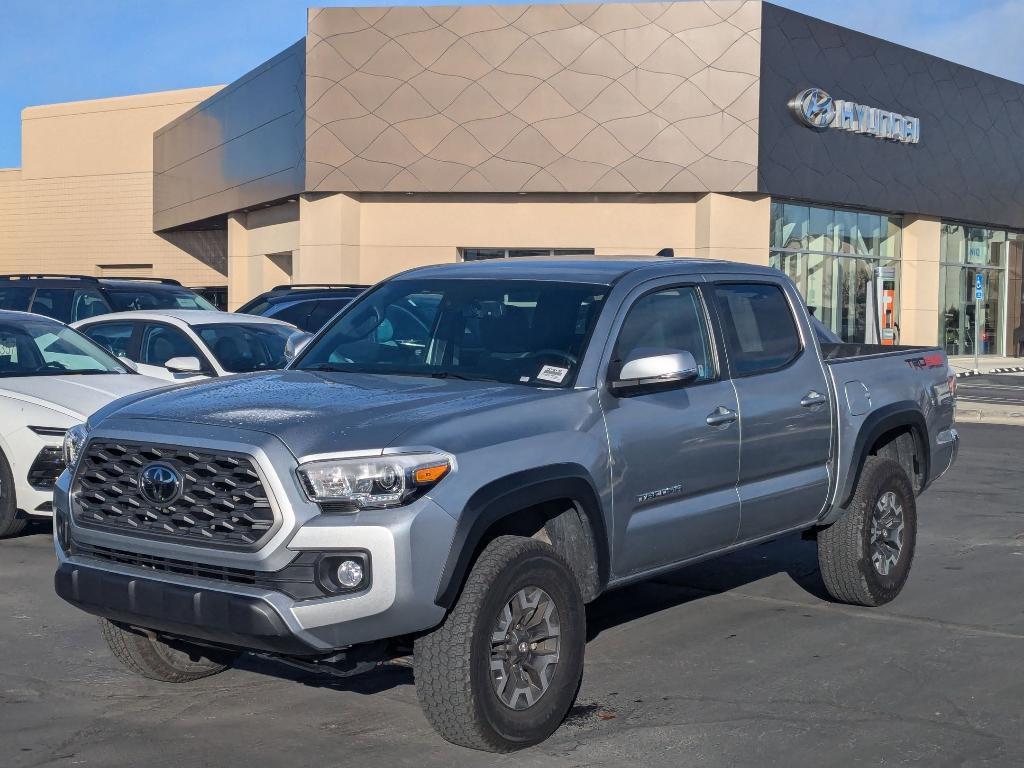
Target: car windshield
{"type": "Point", "coordinates": [43, 348]}
{"type": "Point", "coordinates": [517, 331]}
{"type": "Point", "coordinates": [145, 298]}
{"type": "Point", "coordinates": [245, 347]}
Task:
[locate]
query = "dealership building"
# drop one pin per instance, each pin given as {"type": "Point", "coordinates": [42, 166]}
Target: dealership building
{"type": "Point", "coordinates": [886, 182]}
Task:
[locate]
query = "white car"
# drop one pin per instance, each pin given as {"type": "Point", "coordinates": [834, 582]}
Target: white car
{"type": "Point", "coordinates": [182, 345]}
{"type": "Point", "coordinates": [51, 378]}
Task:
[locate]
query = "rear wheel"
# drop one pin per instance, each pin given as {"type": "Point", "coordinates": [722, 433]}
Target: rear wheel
{"type": "Point", "coordinates": [865, 556]}
{"type": "Point", "coordinates": [10, 523]}
{"type": "Point", "coordinates": [146, 654]}
{"type": "Point", "coordinates": [504, 668]}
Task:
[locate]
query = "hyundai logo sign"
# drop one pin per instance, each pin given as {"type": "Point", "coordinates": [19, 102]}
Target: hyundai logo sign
{"type": "Point", "coordinates": [818, 110]}
{"type": "Point", "coordinates": [160, 484]}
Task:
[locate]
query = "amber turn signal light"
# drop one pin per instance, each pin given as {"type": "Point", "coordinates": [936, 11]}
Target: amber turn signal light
{"type": "Point", "coordinates": [431, 474]}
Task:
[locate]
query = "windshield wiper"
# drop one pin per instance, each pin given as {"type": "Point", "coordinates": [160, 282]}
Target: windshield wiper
{"type": "Point", "coordinates": [325, 368]}
{"type": "Point", "coordinates": [461, 376]}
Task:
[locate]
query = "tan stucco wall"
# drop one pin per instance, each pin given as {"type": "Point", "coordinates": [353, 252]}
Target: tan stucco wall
{"type": "Point", "coordinates": [345, 238]}
{"type": "Point", "coordinates": [83, 197]}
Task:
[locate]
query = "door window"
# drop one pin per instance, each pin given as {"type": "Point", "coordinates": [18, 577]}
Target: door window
{"type": "Point", "coordinates": [15, 298]}
{"type": "Point", "coordinates": [53, 302]}
{"type": "Point", "coordinates": [88, 303]}
{"type": "Point", "coordinates": [116, 337]}
{"type": "Point", "coordinates": [760, 334]}
{"type": "Point", "coordinates": [324, 311]}
{"type": "Point", "coordinates": [670, 319]}
{"type": "Point", "coordinates": [160, 343]}
{"type": "Point", "coordinates": [297, 314]}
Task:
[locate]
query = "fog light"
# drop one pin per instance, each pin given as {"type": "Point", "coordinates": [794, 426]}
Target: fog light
{"type": "Point", "coordinates": [350, 573]}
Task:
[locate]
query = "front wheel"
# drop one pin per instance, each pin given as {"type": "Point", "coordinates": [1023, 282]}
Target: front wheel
{"type": "Point", "coordinates": [504, 668]}
{"type": "Point", "coordinates": [147, 655]}
{"type": "Point", "coordinates": [865, 556]}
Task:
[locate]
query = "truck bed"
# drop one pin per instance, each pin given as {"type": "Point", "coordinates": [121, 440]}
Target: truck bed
{"type": "Point", "coordinates": [831, 352]}
{"type": "Point", "coordinates": [872, 380]}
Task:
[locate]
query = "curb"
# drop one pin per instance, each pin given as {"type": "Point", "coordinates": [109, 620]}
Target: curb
{"type": "Point", "coordinates": [1011, 369]}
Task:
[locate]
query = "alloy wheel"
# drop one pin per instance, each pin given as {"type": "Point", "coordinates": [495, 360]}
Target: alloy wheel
{"type": "Point", "coordinates": [525, 644]}
{"type": "Point", "coordinates": [886, 533]}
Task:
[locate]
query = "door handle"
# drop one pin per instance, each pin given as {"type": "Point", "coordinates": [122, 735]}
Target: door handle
{"type": "Point", "coordinates": [721, 416]}
{"type": "Point", "coordinates": [812, 399]}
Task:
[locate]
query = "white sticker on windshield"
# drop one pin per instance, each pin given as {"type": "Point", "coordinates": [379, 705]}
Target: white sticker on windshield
{"type": "Point", "coordinates": [552, 373]}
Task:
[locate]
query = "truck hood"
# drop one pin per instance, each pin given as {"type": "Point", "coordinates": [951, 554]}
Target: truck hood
{"type": "Point", "coordinates": [316, 413]}
{"type": "Point", "coordinates": [76, 396]}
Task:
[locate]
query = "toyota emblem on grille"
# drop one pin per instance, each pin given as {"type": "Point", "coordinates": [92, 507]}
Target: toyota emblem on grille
{"type": "Point", "coordinates": [160, 484]}
{"type": "Point", "coordinates": [814, 107]}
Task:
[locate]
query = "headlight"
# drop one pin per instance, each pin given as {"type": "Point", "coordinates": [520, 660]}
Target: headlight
{"type": "Point", "coordinates": [74, 441]}
{"type": "Point", "coordinates": [374, 482]}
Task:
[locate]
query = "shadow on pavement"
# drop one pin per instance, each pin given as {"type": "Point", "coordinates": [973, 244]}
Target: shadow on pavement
{"type": "Point", "coordinates": [790, 555]}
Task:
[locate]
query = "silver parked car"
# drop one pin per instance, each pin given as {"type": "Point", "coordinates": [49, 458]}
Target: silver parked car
{"type": "Point", "coordinates": [470, 453]}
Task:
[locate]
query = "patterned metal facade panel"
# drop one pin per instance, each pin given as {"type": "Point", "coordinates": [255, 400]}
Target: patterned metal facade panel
{"type": "Point", "coordinates": [967, 166]}
{"type": "Point", "coordinates": [612, 97]}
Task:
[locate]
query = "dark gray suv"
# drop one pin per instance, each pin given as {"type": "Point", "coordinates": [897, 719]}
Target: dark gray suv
{"type": "Point", "coordinates": [70, 298]}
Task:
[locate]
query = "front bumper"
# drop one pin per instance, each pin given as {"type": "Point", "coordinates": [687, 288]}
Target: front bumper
{"type": "Point", "coordinates": [224, 618]}
{"type": "Point", "coordinates": [407, 548]}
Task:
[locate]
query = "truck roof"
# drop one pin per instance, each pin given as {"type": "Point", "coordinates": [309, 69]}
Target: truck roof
{"type": "Point", "coordinates": [589, 269]}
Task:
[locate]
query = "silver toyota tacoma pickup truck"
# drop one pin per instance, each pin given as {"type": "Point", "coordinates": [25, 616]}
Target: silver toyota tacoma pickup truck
{"type": "Point", "coordinates": [470, 453]}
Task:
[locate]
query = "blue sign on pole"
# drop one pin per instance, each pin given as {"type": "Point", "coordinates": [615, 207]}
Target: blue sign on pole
{"type": "Point", "coordinates": [979, 286]}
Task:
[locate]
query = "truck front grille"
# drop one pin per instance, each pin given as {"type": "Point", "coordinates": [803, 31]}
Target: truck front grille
{"type": "Point", "coordinates": [221, 501]}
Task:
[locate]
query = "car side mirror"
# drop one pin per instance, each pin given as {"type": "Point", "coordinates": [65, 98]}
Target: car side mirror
{"type": "Point", "coordinates": [295, 344]}
{"type": "Point", "coordinates": [184, 365]}
{"type": "Point", "coordinates": [129, 364]}
{"type": "Point", "coordinates": [653, 367]}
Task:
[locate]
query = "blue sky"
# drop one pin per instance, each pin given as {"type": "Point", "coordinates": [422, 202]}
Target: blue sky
{"type": "Point", "coordinates": [63, 50]}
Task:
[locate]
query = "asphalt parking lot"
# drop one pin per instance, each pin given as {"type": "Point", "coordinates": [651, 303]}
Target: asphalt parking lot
{"type": "Point", "coordinates": [739, 662]}
{"type": "Point", "coordinates": [992, 389]}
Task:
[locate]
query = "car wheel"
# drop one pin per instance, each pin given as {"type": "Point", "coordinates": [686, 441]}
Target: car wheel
{"type": "Point", "coordinates": [147, 655]}
{"type": "Point", "coordinates": [10, 523]}
{"type": "Point", "coordinates": [504, 668]}
{"type": "Point", "coordinates": [865, 556]}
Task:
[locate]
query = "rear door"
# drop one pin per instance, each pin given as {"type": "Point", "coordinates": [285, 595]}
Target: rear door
{"type": "Point", "coordinates": [675, 451]}
{"type": "Point", "coordinates": [784, 406]}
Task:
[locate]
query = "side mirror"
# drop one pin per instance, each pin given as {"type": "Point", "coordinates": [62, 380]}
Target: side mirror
{"type": "Point", "coordinates": [130, 364]}
{"type": "Point", "coordinates": [184, 365]}
{"type": "Point", "coordinates": [651, 367]}
{"type": "Point", "coordinates": [295, 344]}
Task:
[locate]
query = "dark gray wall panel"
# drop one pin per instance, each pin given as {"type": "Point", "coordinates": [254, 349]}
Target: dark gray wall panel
{"type": "Point", "coordinates": [968, 165]}
{"type": "Point", "coordinates": [242, 146]}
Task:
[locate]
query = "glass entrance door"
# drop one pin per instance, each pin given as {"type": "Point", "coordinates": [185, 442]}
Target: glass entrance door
{"type": "Point", "coordinates": [969, 322]}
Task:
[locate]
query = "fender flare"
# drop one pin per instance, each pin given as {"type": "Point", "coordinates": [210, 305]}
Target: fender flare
{"type": "Point", "coordinates": [507, 495]}
{"type": "Point", "coordinates": [905, 413]}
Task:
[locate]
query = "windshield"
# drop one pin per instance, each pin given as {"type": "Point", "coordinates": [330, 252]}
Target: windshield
{"type": "Point", "coordinates": [516, 331]}
{"type": "Point", "coordinates": [44, 348]}
{"type": "Point", "coordinates": [141, 298]}
{"type": "Point", "coordinates": [246, 347]}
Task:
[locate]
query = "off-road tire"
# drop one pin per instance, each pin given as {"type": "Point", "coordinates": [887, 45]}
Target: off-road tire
{"type": "Point", "coordinates": [145, 654]}
{"type": "Point", "coordinates": [452, 663]}
{"type": "Point", "coordinates": [10, 523]}
{"type": "Point", "coordinates": [844, 548]}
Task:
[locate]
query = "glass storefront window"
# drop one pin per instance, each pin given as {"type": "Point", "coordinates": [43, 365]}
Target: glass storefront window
{"type": "Point", "coordinates": [973, 257]}
{"type": "Point", "coordinates": [845, 263]}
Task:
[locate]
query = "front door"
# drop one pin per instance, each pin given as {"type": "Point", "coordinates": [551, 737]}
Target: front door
{"type": "Point", "coordinates": [674, 473]}
{"type": "Point", "coordinates": [784, 405]}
